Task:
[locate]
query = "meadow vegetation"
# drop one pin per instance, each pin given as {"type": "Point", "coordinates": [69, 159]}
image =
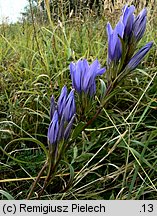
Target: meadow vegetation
{"type": "Point", "coordinates": [116, 156]}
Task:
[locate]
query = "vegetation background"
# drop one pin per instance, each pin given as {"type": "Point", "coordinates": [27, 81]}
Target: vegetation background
{"type": "Point", "coordinates": [114, 158]}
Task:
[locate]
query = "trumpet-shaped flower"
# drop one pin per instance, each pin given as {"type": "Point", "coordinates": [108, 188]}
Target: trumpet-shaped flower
{"type": "Point", "coordinates": [76, 71]}
{"type": "Point", "coordinates": [62, 100]}
{"type": "Point", "coordinates": [114, 43]}
{"type": "Point", "coordinates": [127, 19]}
{"type": "Point", "coordinates": [133, 26]}
{"type": "Point", "coordinates": [83, 76]}
{"type": "Point", "coordinates": [122, 40]}
{"type": "Point", "coordinates": [62, 117]}
{"type": "Point", "coordinates": [69, 109]}
{"type": "Point", "coordinates": [130, 28]}
{"type": "Point", "coordinates": [53, 129]}
{"type": "Point", "coordinates": [137, 58]}
{"type": "Point", "coordinates": [139, 25]}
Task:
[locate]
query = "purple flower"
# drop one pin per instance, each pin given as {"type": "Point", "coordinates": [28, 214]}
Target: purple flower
{"type": "Point", "coordinates": [53, 129]}
{"type": "Point", "coordinates": [122, 40]}
{"type": "Point", "coordinates": [137, 58]}
{"type": "Point", "coordinates": [114, 43]}
{"type": "Point", "coordinates": [133, 26]}
{"type": "Point", "coordinates": [69, 109]}
{"type": "Point", "coordinates": [62, 117]}
{"type": "Point", "coordinates": [139, 25]}
{"type": "Point", "coordinates": [62, 100]}
{"type": "Point", "coordinates": [83, 75]}
{"type": "Point", "coordinates": [61, 129]}
{"type": "Point", "coordinates": [76, 71]}
{"type": "Point", "coordinates": [127, 19]}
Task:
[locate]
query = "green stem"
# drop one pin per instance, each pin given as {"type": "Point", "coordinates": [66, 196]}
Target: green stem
{"type": "Point", "coordinates": [52, 171]}
{"type": "Point", "coordinates": [108, 91]}
{"type": "Point", "coordinates": [36, 181]}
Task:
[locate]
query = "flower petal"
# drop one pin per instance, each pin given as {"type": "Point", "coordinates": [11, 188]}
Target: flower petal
{"type": "Point", "coordinates": [139, 25]}
{"type": "Point", "coordinates": [61, 100]}
{"type": "Point", "coordinates": [114, 44]}
{"type": "Point", "coordinates": [68, 128]}
{"type": "Point", "coordinates": [53, 129]}
{"type": "Point", "coordinates": [75, 71]}
{"type": "Point", "coordinates": [137, 58]}
{"type": "Point", "coordinates": [90, 76]}
{"type": "Point", "coordinates": [70, 108]}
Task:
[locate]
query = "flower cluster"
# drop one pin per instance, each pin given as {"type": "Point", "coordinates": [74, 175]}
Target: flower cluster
{"type": "Point", "coordinates": [122, 43]}
{"type": "Point", "coordinates": [62, 116]}
{"type": "Point", "coordinates": [123, 39]}
{"type": "Point", "coordinates": [83, 76]}
{"type": "Point", "coordinates": [134, 27]}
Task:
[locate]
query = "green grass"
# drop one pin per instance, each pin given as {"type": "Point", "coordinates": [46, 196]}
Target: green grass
{"type": "Point", "coordinates": [116, 156]}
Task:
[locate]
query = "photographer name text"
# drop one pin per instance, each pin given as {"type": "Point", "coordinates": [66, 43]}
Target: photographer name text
{"type": "Point", "coordinates": [46, 209]}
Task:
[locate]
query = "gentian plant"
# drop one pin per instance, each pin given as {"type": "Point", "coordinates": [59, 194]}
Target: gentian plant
{"type": "Point", "coordinates": [83, 78]}
{"type": "Point", "coordinates": [122, 59]}
{"type": "Point", "coordinates": [62, 116]}
{"type": "Point", "coordinates": [122, 44]}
